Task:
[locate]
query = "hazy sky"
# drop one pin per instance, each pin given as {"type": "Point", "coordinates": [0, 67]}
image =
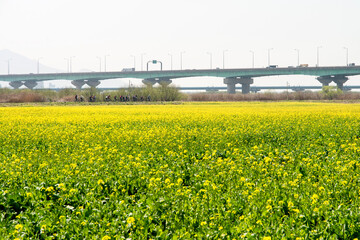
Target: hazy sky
{"type": "Point", "coordinates": [58, 29]}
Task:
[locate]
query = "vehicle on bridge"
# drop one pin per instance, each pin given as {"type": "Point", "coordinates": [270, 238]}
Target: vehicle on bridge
{"type": "Point", "coordinates": [304, 65]}
{"type": "Point", "coordinates": [272, 66]}
{"type": "Point", "coordinates": [351, 64]}
{"type": "Point", "coordinates": [128, 70]}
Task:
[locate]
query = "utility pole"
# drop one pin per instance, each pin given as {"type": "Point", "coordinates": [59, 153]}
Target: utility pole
{"type": "Point", "coordinates": [105, 62]}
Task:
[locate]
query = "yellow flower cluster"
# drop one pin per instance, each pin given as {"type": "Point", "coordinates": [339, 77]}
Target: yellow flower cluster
{"type": "Point", "coordinates": [186, 171]}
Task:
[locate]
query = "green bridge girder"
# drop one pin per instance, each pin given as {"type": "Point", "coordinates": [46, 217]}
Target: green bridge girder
{"type": "Point", "coordinates": [222, 73]}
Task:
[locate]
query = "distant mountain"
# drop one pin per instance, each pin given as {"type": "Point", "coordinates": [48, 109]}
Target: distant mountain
{"type": "Point", "coordinates": [20, 64]}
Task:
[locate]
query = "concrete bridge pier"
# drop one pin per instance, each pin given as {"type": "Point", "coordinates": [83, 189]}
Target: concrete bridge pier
{"type": "Point", "coordinates": [149, 82]}
{"type": "Point", "coordinates": [30, 84]}
{"type": "Point", "coordinates": [16, 84]}
{"type": "Point", "coordinates": [93, 83]}
{"type": "Point", "coordinates": [340, 80]}
{"type": "Point", "coordinates": [78, 83]}
{"type": "Point", "coordinates": [245, 84]}
{"type": "Point", "coordinates": [164, 82]}
{"type": "Point", "coordinates": [325, 81]}
{"type": "Point", "coordinates": [230, 83]}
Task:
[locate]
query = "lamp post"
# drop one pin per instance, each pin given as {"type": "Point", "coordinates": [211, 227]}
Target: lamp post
{"type": "Point", "coordinates": [347, 56]}
{"type": "Point", "coordinates": [269, 55]}
{"type": "Point", "coordinates": [224, 58]}
{"type": "Point", "coordinates": [142, 60]}
{"type": "Point", "coordinates": [253, 58]}
{"type": "Point", "coordinates": [210, 54]}
{"type": "Point", "coordinates": [38, 65]}
{"type": "Point", "coordinates": [99, 63]}
{"type": "Point", "coordinates": [171, 60]}
{"type": "Point", "coordinates": [134, 60]}
{"type": "Point", "coordinates": [181, 54]}
{"type": "Point", "coordinates": [317, 55]}
{"type": "Point", "coordinates": [71, 62]}
{"type": "Point", "coordinates": [105, 62]}
{"type": "Point", "coordinates": [298, 56]}
{"type": "Point", "coordinates": [68, 63]}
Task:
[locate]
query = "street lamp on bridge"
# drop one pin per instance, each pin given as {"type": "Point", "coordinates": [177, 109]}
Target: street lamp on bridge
{"type": "Point", "coordinates": [317, 55]}
{"type": "Point", "coordinates": [298, 56]}
{"type": "Point", "coordinates": [181, 54]}
{"type": "Point", "coordinates": [224, 58]}
{"type": "Point", "coordinates": [134, 60]}
{"type": "Point", "coordinates": [253, 58]}
{"type": "Point", "coordinates": [347, 56]}
{"type": "Point", "coordinates": [210, 59]}
{"type": "Point", "coordinates": [38, 65]}
{"type": "Point", "coordinates": [105, 62]}
{"type": "Point", "coordinates": [71, 62]}
{"type": "Point", "coordinates": [171, 60]}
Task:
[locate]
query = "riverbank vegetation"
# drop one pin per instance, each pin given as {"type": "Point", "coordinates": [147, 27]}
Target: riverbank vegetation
{"type": "Point", "coordinates": [141, 94]}
{"type": "Point", "coordinates": [168, 93]}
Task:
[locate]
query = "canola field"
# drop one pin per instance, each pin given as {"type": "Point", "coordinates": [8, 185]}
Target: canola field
{"type": "Point", "coordinates": [187, 171]}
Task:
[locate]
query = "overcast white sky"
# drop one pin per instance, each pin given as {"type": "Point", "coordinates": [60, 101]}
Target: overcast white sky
{"type": "Point", "coordinates": [58, 29]}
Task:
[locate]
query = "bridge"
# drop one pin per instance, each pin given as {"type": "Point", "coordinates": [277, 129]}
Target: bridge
{"type": "Point", "coordinates": [243, 76]}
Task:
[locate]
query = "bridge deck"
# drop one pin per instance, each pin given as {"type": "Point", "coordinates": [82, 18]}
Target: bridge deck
{"type": "Point", "coordinates": [223, 73]}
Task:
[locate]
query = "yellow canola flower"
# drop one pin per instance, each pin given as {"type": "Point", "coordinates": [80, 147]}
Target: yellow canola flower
{"type": "Point", "coordinates": [19, 227]}
{"type": "Point", "coordinates": [130, 220]}
{"type": "Point", "coordinates": [194, 156]}
{"type": "Point", "coordinates": [100, 182]}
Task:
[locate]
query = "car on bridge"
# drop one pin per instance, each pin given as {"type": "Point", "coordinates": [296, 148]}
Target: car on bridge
{"type": "Point", "coordinates": [304, 65]}
{"type": "Point", "coordinates": [272, 66]}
